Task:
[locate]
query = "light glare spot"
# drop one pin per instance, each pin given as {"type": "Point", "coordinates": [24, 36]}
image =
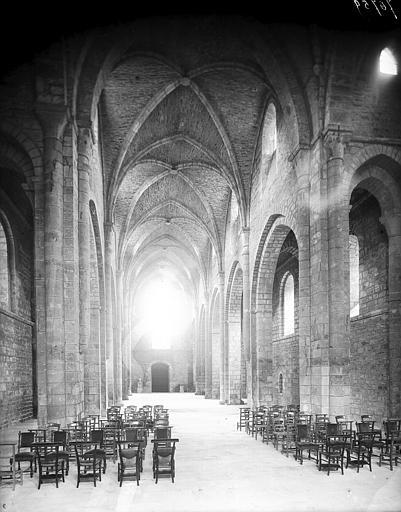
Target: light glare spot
{"type": "Point", "coordinates": [164, 313]}
{"type": "Point", "coordinates": [388, 64]}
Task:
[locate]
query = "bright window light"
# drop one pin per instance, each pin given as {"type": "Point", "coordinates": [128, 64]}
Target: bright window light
{"type": "Point", "coordinates": [163, 311]}
{"type": "Point", "coordinates": [388, 64]}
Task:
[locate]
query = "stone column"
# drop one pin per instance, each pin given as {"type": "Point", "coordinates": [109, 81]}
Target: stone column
{"type": "Point", "coordinates": [53, 119]}
{"type": "Point", "coordinates": [338, 291]}
{"type": "Point", "coordinates": [40, 300]}
{"type": "Point", "coordinates": [117, 339]}
{"type": "Point", "coordinates": [208, 350]}
{"type": "Point", "coordinates": [223, 393]}
{"type": "Point", "coordinates": [301, 163]}
{"type": "Point", "coordinates": [84, 152]}
{"type": "Point", "coordinates": [246, 298]}
{"type": "Point", "coordinates": [124, 339]}
{"type": "Point", "coordinates": [392, 223]}
{"type": "Point", "coordinates": [109, 315]}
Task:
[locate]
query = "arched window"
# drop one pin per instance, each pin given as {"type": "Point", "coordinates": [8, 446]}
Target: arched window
{"type": "Point", "coordinates": [280, 383]}
{"type": "Point", "coordinates": [388, 63]}
{"type": "Point", "coordinates": [269, 137]}
{"type": "Point", "coordinates": [354, 275]}
{"type": "Point", "coordinates": [288, 304]}
{"type": "Point", "coordinates": [4, 270]}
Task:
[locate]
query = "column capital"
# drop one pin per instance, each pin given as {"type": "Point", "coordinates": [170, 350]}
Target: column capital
{"type": "Point", "coordinates": [85, 131]}
{"type": "Point", "coordinates": [245, 231]}
{"type": "Point", "coordinates": [335, 140]}
{"type": "Point", "coordinates": [53, 119]}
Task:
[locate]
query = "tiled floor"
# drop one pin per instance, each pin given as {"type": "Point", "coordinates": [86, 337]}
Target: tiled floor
{"type": "Point", "coordinates": [217, 469]}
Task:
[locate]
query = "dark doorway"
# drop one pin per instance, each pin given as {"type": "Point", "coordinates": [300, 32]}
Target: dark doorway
{"type": "Point", "coordinates": [160, 378]}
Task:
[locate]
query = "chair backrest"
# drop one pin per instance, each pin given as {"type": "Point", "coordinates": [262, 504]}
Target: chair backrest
{"type": "Point", "coordinates": [162, 432]}
{"type": "Point", "coordinates": [86, 450]}
{"type": "Point", "coordinates": [97, 436]}
{"type": "Point", "coordinates": [162, 445]}
{"type": "Point", "coordinates": [278, 424]}
{"type": "Point", "coordinates": [336, 443]}
{"type": "Point", "coordinates": [25, 439]}
{"type": "Point", "coordinates": [391, 424]}
{"type": "Point", "coordinates": [46, 451]}
{"type": "Point", "coordinates": [126, 450]}
{"type": "Point", "coordinates": [59, 436]}
{"type": "Point", "coordinates": [303, 431]}
{"type": "Point", "coordinates": [134, 434]}
{"type": "Point", "coordinates": [332, 429]}
{"type": "Point", "coordinates": [364, 426]}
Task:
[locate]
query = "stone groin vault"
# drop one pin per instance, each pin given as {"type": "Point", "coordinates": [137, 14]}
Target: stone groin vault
{"type": "Point", "coordinates": [198, 206]}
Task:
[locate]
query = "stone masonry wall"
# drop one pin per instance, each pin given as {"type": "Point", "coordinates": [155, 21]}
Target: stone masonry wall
{"type": "Point", "coordinates": [369, 330]}
{"type": "Point", "coordinates": [285, 348]}
{"type": "Point", "coordinates": [16, 330]}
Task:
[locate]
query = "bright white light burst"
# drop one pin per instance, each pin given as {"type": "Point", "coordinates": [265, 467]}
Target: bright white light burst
{"type": "Point", "coordinates": [164, 312]}
{"type": "Point", "coordinates": [388, 64]}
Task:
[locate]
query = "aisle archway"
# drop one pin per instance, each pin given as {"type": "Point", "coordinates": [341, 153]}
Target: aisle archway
{"type": "Point", "coordinates": [160, 378]}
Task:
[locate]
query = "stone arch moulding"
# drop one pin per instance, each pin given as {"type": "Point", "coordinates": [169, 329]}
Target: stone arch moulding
{"type": "Point", "coordinates": [270, 245]}
{"type": "Point", "coordinates": [99, 250]}
{"type": "Point", "coordinates": [11, 260]}
{"type": "Point", "coordinates": [377, 170]}
{"type": "Point", "coordinates": [363, 157]}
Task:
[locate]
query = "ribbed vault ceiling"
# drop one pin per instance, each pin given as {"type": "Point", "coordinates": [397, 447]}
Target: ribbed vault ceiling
{"type": "Point", "coordinates": [180, 116]}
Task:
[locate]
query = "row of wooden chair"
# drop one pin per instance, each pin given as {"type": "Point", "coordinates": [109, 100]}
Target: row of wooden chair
{"type": "Point", "coordinates": [329, 444]}
{"type": "Point", "coordinates": [92, 440]}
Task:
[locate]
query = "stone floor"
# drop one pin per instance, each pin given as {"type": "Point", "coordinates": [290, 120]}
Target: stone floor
{"type": "Point", "coordinates": [217, 469]}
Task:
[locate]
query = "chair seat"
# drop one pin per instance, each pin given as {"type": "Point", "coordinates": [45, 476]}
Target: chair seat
{"type": "Point", "coordinates": [129, 453]}
{"type": "Point", "coordinates": [25, 456]}
{"type": "Point", "coordinates": [95, 451]}
{"type": "Point", "coordinates": [164, 452]}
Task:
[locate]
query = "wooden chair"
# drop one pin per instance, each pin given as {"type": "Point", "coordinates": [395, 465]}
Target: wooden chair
{"type": "Point", "coordinates": [391, 449]}
{"type": "Point", "coordinates": [138, 436]}
{"type": "Point", "coordinates": [360, 451]}
{"type": "Point", "coordinates": [130, 460]}
{"type": "Point", "coordinates": [278, 431]}
{"type": "Point", "coordinates": [96, 436]}
{"type": "Point", "coordinates": [50, 466]}
{"type": "Point", "coordinates": [304, 440]}
{"type": "Point", "coordinates": [25, 451]}
{"type": "Point", "coordinates": [8, 470]}
{"type": "Point", "coordinates": [288, 441]}
{"type": "Point", "coordinates": [89, 464]}
{"type": "Point", "coordinates": [164, 458]}
{"type": "Point", "coordinates": [61, 438]}
{"type": "Point", "coordinates": [331, 454]}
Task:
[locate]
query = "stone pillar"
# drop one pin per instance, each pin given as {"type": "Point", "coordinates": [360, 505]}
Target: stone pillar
{"type": "Point", "coordinates": [338, 292]}
{"type": "Point", "coordinates": [246, 298]}
{"type": "Point", "coordinates": [117, 339]}
{"type": "Point", "coordinates": [109, 238]}
{"type": "Point", "coordinates": [208, 350]}
{"type": "Point", "coordinates": [392, 223]}
{"type": "Point", "coordinates": [53, 119]}
{"type": "Point", "coordinates": [84, 152]}
{"type": "Point", "coordinates": [301, 162]}
{"type": "Point", "coordinates": [223, 393]}
{"type": "Point", "coordinates": [40, 300]}
{"type": "Point", "coordinates": [124, 340]}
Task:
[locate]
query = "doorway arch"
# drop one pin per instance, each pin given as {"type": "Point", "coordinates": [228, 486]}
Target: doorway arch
{"type": "Point", "coordinates": [160, 378]}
